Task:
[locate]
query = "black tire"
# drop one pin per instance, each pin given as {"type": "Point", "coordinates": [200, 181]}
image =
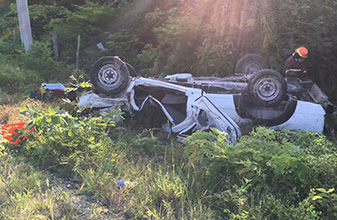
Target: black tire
{"type": "Point", "coordinates": [109, 76]}
{"type": "Point", "coordinates": [267, 88]}
{"type": "Point", "coordinates": [267, 116]}
{"type": "Point", "coordinates": [250, 64]}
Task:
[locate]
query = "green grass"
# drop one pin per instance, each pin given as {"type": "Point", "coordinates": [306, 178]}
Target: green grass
{"type": "Point", "coordinates": [26, 194]}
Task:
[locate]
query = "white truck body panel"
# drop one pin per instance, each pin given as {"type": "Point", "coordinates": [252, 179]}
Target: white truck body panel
{"type": "Point", "coordinates": [219, 109]}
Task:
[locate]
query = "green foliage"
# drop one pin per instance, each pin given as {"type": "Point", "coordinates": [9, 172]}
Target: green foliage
{"type": "Point", "coordinates": [25, 193]}
{"type": "Point", "coordinates": [14, 79]}
{"type": "Point", "coordinates": [87, 21]}
{"type": "Point", "coordinates": [11, 48]}
{"type": "Point", "coordinates": [214, 58]}
{"type": "Point", "coordinates": [326, 201]}
{"type": "Point", "coordinates": [188, 36]}
{"type": "Point", "coordinates": [124, 44]}
{"type": "Point", "coordinates": [266, 175]}
{"type": "Point", "coordinates": [148, 59]}
{"type": "Point", "coordinates": [308, 23]}
{"type": "Point", "coordinates": [9, 21]}
{"type": "Point", "coordinates": [39, 59]}
{"type": "Point", "coordinates": [3, 153]}
{"type": "Point", "coordinates": [264, 163]}
{"type": "Point", "coordinates": [169, 187]}
{"type": "Point", "coordinates": [178, 43]}
{"type": "Point", "coordinates": [41, 15]}
{"type": "Point", "coordinates": [67, 141]}
{"type": "Point", "coordinates": [272, 208]}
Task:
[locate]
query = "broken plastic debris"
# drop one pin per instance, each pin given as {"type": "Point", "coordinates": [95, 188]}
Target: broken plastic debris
{"type": "Point", "coordinates": [166, 127]}
{"type": "Point", "coordinates": [101, 47]}
{"type": "Point", "coordinates": [124, 183]}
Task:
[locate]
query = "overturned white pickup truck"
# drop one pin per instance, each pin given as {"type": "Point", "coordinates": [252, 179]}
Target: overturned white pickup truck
{"type": "Point", "coordinates": [199, 103]}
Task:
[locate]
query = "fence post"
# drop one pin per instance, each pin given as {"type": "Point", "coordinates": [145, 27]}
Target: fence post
{"type": "Point", "coordinates": [24, 23]}
{"type": "Point", "coordinates": [78, 51]}
{"type": "Point", "coordinates": [55, 46]}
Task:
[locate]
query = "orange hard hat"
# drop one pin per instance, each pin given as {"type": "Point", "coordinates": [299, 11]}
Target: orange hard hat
{"type": "Point", "coordinates": [302, 51]}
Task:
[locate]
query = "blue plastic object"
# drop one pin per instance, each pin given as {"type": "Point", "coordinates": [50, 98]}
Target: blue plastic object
{"type": "Point", "coordinates": [121, 182]}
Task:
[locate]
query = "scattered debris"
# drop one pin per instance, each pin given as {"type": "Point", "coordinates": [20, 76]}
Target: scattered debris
{"type": "Point", "coordinates": [49, 91]}
{"type": "Point", "coordinates": [17, 133]}
{"type": "Point", "coordinates": [101, 47]}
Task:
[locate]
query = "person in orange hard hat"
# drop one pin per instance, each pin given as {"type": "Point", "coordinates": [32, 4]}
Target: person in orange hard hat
{"type": "Point", "coordinates": [294, 65]}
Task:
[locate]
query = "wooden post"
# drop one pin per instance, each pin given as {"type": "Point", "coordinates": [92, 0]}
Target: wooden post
{"type": "Point", "coordinates": [78, 51]}
{"type": "Point", "coordinates": [24, 23]}
{"type": "Point", "coordinates": [55, 46]}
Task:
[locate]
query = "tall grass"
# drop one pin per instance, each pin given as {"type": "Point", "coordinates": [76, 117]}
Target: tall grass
{"type": "Point", "coordinates": [25, 193]}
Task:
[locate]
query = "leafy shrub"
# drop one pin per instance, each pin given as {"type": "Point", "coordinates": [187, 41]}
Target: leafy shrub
{"type": "Point", "coordinates": [36, 66]}
{"type": "Point", "coordinates": [14, 79]}
{"type": "Point", "coordinates": [39, 59]}
{"type": "Point", "coordinates": [11, 49]}
{"type": "Point", "coordinates": [273, 208]}
{"type": "Point", "coordinates": [76, 142]}
{"type": "Point", "coordinates": [325, 201]}
{"type": "Point", "coordinates": [263, 163]}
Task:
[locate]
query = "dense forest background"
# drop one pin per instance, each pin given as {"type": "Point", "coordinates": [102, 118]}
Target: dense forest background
{"type": "Point", "coordinates": [160, 37]}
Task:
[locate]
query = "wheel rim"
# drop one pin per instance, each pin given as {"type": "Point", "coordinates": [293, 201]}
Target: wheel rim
{"type": "Point", "coordinates": [267, 89]}
{"type": "Point", "coordinates": [252, 68]}
{"type": "Point", "coordinates": [108, 75]}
